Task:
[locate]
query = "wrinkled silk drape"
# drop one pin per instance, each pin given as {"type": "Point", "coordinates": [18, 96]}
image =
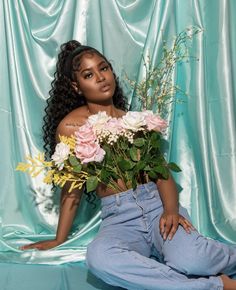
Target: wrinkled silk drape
{"type": "Point", "coordinates": [202, 133]}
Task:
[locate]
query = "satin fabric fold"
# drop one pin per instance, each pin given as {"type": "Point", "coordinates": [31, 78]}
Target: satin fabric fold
{"type": "Point", "coordinates": [202, 127]}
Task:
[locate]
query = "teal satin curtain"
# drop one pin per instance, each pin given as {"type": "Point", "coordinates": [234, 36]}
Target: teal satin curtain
{"type": "Point", "coordinates": [202, 130]}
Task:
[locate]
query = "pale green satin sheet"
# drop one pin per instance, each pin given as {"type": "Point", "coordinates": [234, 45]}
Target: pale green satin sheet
{"type": "Point", "coordinates": [202, 131]}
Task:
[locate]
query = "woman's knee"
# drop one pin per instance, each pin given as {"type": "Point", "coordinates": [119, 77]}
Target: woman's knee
{"type": "Point", "coordinates": [193, 265]}
{"type": "Point", "coordinates": [197, 257]}
{"type": "Point", "coordinates": [95, 255]}
{"type": "Point", "coordinates": [99, 255]}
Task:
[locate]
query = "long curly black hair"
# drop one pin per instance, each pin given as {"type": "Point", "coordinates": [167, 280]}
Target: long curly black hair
{"type": "Point", "coordinates": [63, 98]}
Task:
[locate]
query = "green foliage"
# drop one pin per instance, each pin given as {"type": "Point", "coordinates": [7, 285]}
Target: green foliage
{"type": "Point", "coordinates": [137, 162]}
{"type": "Point", "coordinates": [74, 161]}
{"type": "Point", "coordinates": [91, 183]}
{"type": "Point", "coordinates": [174, 167]}
{"type": "Point", "coordinates": [139, 142]}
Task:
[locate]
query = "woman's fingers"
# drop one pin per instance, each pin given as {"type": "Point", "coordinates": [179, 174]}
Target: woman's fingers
{"type": "Point", "coordinates": [28, 247]}
{"type": "Point", "coordinates": [169, 225]}
{"type": "Point", "coordinates": [173, 228]}
{"type": "Point", "coordinates": [162, 225]}
{"type": "Point", "coordinates": [185, 225]}
{"type": "Point", "coordinates": [44, 245]}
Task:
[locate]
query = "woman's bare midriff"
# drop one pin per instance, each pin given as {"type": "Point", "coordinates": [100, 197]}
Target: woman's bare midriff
{"type": "Point", "coordinates": [103, 190]}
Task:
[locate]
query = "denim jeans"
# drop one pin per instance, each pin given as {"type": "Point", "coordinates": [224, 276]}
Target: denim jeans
{"type": "Point", "coordinates": [122, 252]}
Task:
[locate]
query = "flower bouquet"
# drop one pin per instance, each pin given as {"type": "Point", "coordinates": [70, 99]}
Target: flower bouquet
{"type": "Point", "coordinates": [106, 150]}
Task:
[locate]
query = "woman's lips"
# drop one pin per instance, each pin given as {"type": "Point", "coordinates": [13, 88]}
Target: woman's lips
{"type": "Point", "coordinates": [105, 88]}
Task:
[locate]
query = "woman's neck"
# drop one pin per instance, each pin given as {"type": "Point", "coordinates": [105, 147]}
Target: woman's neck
{"type": "Point", "coordinates": [111, 110]}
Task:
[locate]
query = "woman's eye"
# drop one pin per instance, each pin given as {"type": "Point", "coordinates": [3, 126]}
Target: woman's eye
{"type": "Point", "coordinates": [88, 76]}
{"type": "Point", "coordinates": [105, 68]}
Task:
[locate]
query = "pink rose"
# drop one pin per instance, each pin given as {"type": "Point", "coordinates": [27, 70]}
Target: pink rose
{"type": "Point", "coordinates": [155, 123]}
{"type": "Point", "coordinates": [85, 134]}
{"type": "Point", "coordinates": [114, 125]}
{"type": "Point", "coordinates": [89, 152]}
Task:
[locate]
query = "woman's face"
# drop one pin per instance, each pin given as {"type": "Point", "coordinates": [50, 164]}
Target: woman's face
{"type": "Point", "coordinates": [95, 79]}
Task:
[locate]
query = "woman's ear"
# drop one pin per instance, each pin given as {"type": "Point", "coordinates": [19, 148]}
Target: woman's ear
{"type": "Point", "coordinates": [75, 87]}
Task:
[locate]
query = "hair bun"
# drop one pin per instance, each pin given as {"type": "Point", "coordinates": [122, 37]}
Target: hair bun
{"type": "Point", "coordinates": [70, 45]}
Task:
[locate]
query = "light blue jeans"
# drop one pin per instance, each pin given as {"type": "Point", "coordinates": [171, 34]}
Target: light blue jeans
{"type": "Point", "coordinates": [121, 253]}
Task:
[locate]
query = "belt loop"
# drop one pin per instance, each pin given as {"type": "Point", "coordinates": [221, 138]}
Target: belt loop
{"type": "Point", "coordinates": [134, 193]}
{"type": "Point", "coordinates": [118, 199]}
{"type": "Point", "coordinates": [147, 187]}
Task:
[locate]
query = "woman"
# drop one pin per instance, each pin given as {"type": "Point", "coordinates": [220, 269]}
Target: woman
{"type": "Point", "coordinates": [135, 224]}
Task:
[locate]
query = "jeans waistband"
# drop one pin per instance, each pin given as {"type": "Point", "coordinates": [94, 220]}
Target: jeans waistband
{"type": "Point", "coordinates": [140, 192]}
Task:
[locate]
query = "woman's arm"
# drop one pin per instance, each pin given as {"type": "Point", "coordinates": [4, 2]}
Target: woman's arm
{"type": "Point", "coordinates": [69, 201]}
{"type": "Point", "coordinates": [68, 208]}
{"type": "Point", "coordinates": [170, 218]}
{"type": "Point", "coordinates": [69, 204]}
{"type": "Point", "coordinates": [168, 193]}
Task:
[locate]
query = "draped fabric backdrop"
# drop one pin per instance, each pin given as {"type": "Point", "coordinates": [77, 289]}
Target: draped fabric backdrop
{"type": "Point", "coordinates": [202, 131]}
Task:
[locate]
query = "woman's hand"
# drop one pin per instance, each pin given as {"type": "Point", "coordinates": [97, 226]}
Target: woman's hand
{"type": "Point", "coordinates": [169, 223]}
{"type": "Point", "coordinates": [44, 245]}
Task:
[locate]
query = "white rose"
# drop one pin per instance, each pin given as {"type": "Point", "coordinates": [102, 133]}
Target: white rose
{"type": "Point", "coordinates": [134, 121]}
{"type": "Point", "coordinates": [61, 153]}
{"type": "Point", "coordinates": [99, 120]}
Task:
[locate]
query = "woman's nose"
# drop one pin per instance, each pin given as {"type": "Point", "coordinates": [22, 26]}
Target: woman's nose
{"type": "Point", "coordinates": [100, 77]}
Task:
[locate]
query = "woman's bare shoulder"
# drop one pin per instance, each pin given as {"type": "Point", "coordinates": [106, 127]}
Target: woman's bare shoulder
{"type": "Point", "coordinates": [71, 122]}
{"type": "Point", "coordinates": [121, 112]}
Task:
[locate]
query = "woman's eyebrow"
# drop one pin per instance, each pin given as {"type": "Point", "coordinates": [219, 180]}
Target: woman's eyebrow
{"type": "Point", "coordinates": [90, 68]}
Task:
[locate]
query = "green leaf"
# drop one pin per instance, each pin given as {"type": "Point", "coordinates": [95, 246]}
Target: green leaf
{"type": "Point", "coordinates": [166, 173]}
{"type": "Point", "coordinates": [107, 150]}
{"type": "Point", "coordinates": [152, 175]}
{"type": "Point", "coordinates": [134, 154]}
{"type": "Point", "coordinates": [126, 165]}
{"type": "Point", "coordinates": [140, 166]}
{"type": "Point", "coordinates": [114, 175]}
{"type": "Point", "coordinates": [124, 145]}
{"type": "Point", "coordinates": [162, 170]}
{"type": "Point", "coordinates": [74, 161]}
{"type": "Point", "coordinates": [147, 168]}
{"type": "Point", "coordinates": [146, 157]}
{"type": "Point", "coordinates": [108, 157]}
{"type": "Point", "coordinates": [134, 183]}
{"type": "Point", "coordinates": [155, 140]}
{"type": "Point", "coordinates": [77, 168]}
{"type": "Point", "coordinates": [159, 169]}
{"type": "Point", "coordinates": [105, 175]}
{"type": "Point", "coordinates": [91, 183]}
{"type": "Point", "coordinates": [139, 142]}
{"type": "Point", "coordinates": [174, 167]}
